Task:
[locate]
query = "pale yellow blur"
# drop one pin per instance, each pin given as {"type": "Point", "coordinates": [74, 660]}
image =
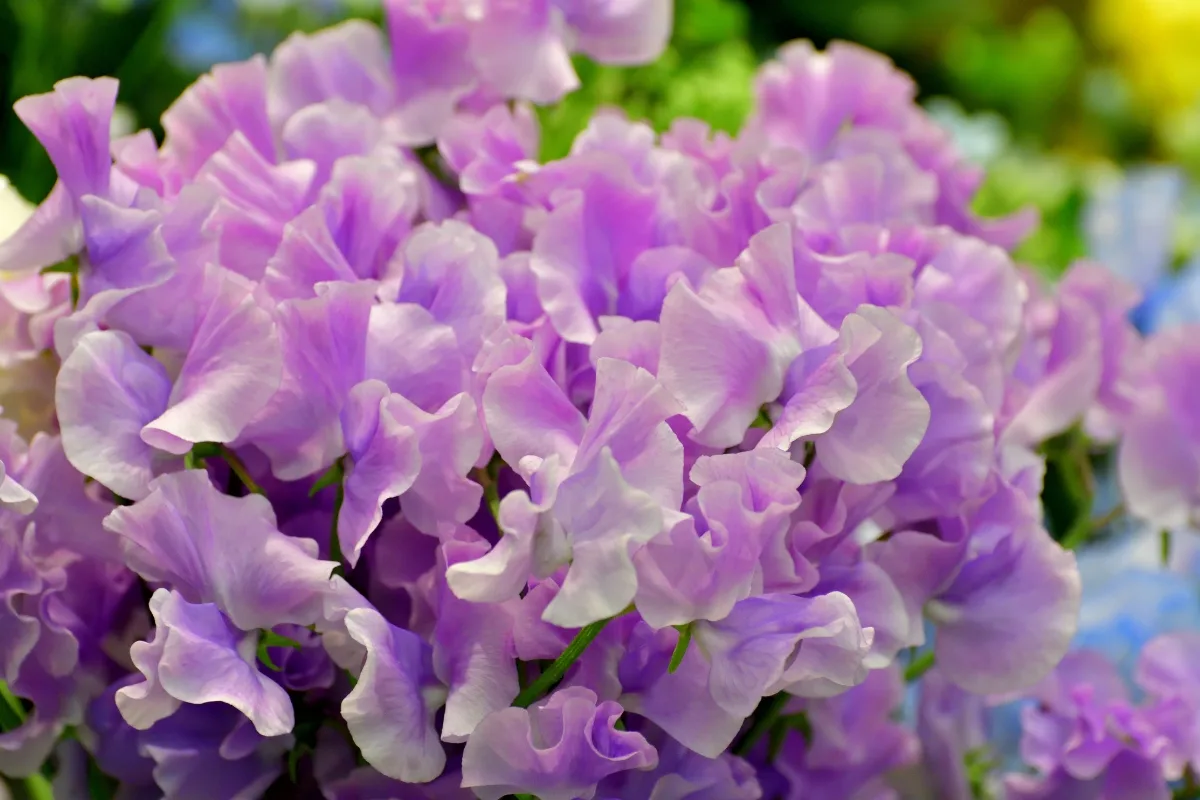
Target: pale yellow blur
{"type": "Point", "coordinates": [14, 209]}
{"type": "Point", "coordinates": [1156, 45]}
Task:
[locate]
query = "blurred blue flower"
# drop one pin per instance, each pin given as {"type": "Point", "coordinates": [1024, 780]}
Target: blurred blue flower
{"type": "Point", "coordinates": [209, 35]}
{"type": "Point", "coordinates": [1131, 222]}
{"type": "Point", "coordinates": [1129, 598]}
{"type": "Point", "coordinates": [980, 137]}
{"type": "Point", "coordinates": [215, 31]}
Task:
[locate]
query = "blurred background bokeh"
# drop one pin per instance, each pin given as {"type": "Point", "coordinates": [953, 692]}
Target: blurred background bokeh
{"type": "Point", "coordinates": [1056, 97]}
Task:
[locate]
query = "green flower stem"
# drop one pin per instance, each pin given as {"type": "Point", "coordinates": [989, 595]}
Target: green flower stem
{"type": "Point", "coordinates": [681, 646]}
{"type": "Point", "coordinates": [38, 787]}
{"type": "Point", "coordinates": [919, 666]}
{"type": "Point", "coordinates": [239, 469]}
{"type": "Point", "coordinates": [487, 477]}
{"type": "Point", "coordinates": [335, 543]}
{"type": "Point", "coordinates": [1085, 528]}
{"type": "Point", "coordinates": [554, 673]}
{"type": "Point", "coordinates": [12, 715]}
{"type": "Point", "coordinates": [765, 715]}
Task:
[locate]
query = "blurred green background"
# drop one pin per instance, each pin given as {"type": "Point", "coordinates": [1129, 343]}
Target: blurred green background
{"type": "Point", "coordinates": [1047, 94]}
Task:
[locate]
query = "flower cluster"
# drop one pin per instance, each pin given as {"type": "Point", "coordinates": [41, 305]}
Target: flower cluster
{"type": "Point", "coordinates": [1082, 736]}
{"type": "Point", "coordinates": [383, 454]}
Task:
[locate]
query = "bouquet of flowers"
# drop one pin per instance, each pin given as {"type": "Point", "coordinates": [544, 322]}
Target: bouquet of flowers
{"type": "Point", "coordinates": [351, 452]}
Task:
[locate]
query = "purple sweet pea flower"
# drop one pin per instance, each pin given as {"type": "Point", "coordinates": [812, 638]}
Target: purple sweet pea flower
{"type": "Point", "coordinates": [709, 559]}
{"type": "Point", "coordinates": [305, 668]}
{"type": "Point", "coordinates": [108, 391]}
{"type": "Point", "coordinates": [489, 150]}
{"type": "Point", "coordinates": [1158, 459]}
{"type": "Point", "coordinates": [855, 743]}
{"type": "Point", "coordinates": [684, 775]}
{"type": "Point", "coordinates": [811, 100]}
{"type": "Point", "coordinates": [365, 208]}
{"type": "Point", "coordinates": [597, 488]}
{"type": "Point", "coordinates": [200, 751]}
{"type": "Point", "coordinates": [559, 749]}
{"type": "Point", "coordinates": [993, 595]}
{"type": "Point", "coordinates": [473, 651]}
{"type": "Point", "coordinates": [213, 548]}
{"type": "Point", "coordinates": [748, 338]}
{"type": "Point", "coordinates": [72, 123]}
{"type": "Point", "coordinates": [701, 724]}
{"type": "Point", "coordinates": [1166, 672]}
{"type": "Point", "coordinates": [1085, 737]}
{"type": "Point", "coordinates": [383, 463]}
{"type": "Point", "coordinates": [197, 657]}
{"type": "Point", "coordinates": [714, 418]}
{"type": "Point", "coordinates": [951, 723]}
{"type": "Point", "coordinates": [322, 337]}
{"type": "Point", "coordinates": [390, 711]}
{"type": "Point", "coordinates": [347, 62]}
{"type": "Point", "coordinates": [806, 646]}
{"type": "Point", "coordinates": [1076, 359]}
{"type": "Point", "coordinates": [230, 99]}
{"type": "Point", "coordinates": [229, 373]}
{"type": "Point", "coordinates": [56, 610]}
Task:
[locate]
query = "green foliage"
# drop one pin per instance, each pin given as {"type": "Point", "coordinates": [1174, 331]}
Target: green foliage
{"type": "Point", "coordinates": [1055, 186]}
{"type": "Point", "coordinates": [979, 764]}
{"type": "Point", "coordinates": [44, 41]}
{"type": "Point", "coordinates": [1027, 72]}
{"type": "Point", "coordinates": [706, 72]}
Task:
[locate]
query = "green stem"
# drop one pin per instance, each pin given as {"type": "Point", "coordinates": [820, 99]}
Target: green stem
{"type": "Point", "coordinates": [765, 715]}
{"type": "Point", "coordinates": [200, 452]}
{"type": "Point", "coordinates": [554, 673]}
{"type": "Point", "coordinates": [1164, 545]}
{"type": "Point", "coordinates": [239, 468]}
{"type": "Point", "coordinates": [919, 666]}
{"type": "Point", "coordinates": [681, 646]}
{"type": "Point", "coordinates": [487, 477]}
{"type": "Point", "coordinates": [12, 715]}
{"type": "Point", "coordinates": [38, 787]}
{"type": "Point", "coordinates": [335, 543]}
{"type": "Point", "coordinates": [431, 159]}
{"type": "Point", "coordinates": [1083, 530]}
{"type": "Point", "coordinates": [491, 495]}
{"type": "Point", "coordinates": [332, 476]}
{"type": "Point", "coordinates": [1190, 789]}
